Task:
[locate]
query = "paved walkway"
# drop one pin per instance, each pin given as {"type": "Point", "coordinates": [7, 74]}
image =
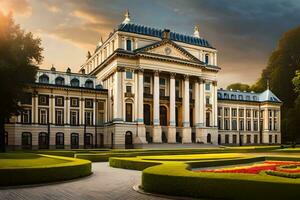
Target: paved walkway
{"type": "Point", "coordinates": [105, 183]}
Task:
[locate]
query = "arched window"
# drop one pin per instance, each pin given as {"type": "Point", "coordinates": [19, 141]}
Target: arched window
{"type": "Point", "coordinates": [59, 140]}
{"type": "Point", "coordinates": [226, 96]}
{"type": "Point", "coordinates": [74, 140]}
{"type": "Point", "coordinates": [206, 58]}
{"type": "Point", "coordinates": [89, 84]}
{"type": "Point", "coordinates": [75, 82]}
{"type": "Point", "coordinates": [59, 81]}
{"type": "Point", "coordinates": [163, 116]}
{"type": "Point", "coordinates": [219, 95]}
{"type": "Point", "coordinates": [128, 112]}
{"type": "Point", "coordinates": [241, 97]}
{"type": "Point", "coordinates": [128, 45]}
{"type": "Point", "coordinates": [233, 96]}
{"type": "Point", "coordinates": [43, 140]}
{"type": "Point", "coordinates": [147, 114]}
{"type": "Point", "coordinates": [6, 138]}
{"type": "Point", "coordinates": [88, 140]}
{"type": "Point", "coordinates": [208, 139]}
{"type": "Point", "coordinates": [26, 140]}
{"type": "Point", "coordinates": [44, 79]}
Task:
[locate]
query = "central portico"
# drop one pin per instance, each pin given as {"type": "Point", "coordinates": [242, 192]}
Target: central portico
{"type": "Point", "coordinates": [161, 85]}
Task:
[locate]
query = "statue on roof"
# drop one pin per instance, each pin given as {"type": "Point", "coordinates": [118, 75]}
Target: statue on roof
{"type": "Point", "coordinates": [127, 17]}
{"type": "Point", "coordinates": [197, 31]}
{"type": "Point", "coordinates": [88, 55]}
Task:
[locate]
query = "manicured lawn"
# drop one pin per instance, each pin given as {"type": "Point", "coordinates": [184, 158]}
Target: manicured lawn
{"type": "Point", "coordinates": [21, 160]}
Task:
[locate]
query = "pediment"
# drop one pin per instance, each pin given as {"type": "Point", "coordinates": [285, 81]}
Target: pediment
{"type": "Point", "coordinates": [169, 49]}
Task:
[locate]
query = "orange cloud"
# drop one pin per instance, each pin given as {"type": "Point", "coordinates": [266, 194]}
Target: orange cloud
{"type": "Point", "coordinates": [20, 7]}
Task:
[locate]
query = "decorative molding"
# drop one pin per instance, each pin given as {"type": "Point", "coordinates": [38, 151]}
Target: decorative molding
{"type": "Point", "coordinates": [186, 77]}
{"type": "Point", "coordinates": [172, 75]}
{"type": "Point", "coordinates": [156, 72]}
{"type": "Point", "coordinates": [120, 69]}
{"type": "Point", "coordinates": [214, 83]}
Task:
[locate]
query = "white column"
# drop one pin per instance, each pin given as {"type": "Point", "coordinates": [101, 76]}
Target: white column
{"type": "Point", "coordinates": [172, 123]}
{"type": "Point", "coordinates": [230, 118]}
{"type": "Point", "coordinates": [140, 94]}
{"type": "Point", "coordinates": [186, 103]}
{"type": "Point", "coordinates": [273, 119]}
{"type": "Point", "coordinates": [51, 104]}
{"type": "Point", "coordinates": [36, 109]}
{"type": "Point", "coordinates": [82, 111]}
{"type": "Point", "coordinates": [238, 118]}
{"type": "Point", "coordinates": [33, 108]}
{"type": "Point", "coordinates": [94, 111]}
{"type": "Point", "coordinates": [65, 121]}
{"type": "Point", "coordinates": [202, 103]}
{"type": "Point", "coordinates": [215, 104]}
{"type": "Point", "coordinates": [197, 104]}
{"type": "Point", "coordinates": [266, 119]}
{"type": "Point", "coordinates": [118, 95]}
{"type": "Point", "coordinates": [186, 131]}
{"type": "Point", "coordinates": [252, 120]}
{"type": "Point", "coordinates": [279, 121]}
{"type": "Point", "coordinates": [245, 120]}
{"type": "Point", "coordinates": [156, 122]}
{"type": "Point", "coordinates": [223, 117]}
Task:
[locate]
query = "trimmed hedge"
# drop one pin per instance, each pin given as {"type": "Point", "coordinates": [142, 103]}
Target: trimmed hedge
{"type": "Point", "coordinates": [175, 179]}
{"type": "Point", "coordinates": [73, 168]}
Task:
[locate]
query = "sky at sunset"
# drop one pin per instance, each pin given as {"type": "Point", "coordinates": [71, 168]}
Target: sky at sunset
{"type": "Point", "coordinates": [244, 32]}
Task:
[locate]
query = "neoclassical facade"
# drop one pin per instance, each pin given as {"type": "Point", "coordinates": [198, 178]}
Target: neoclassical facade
{"type": "Point", "coordinates": [142, 85]}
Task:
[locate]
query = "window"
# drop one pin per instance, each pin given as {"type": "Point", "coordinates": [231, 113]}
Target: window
{"type": "Point", "coordinates": [219, 111]}
{"type": "Point", "coordinates": [74, 140]}
{"type": "Point", "coordinates": [44, 100]}
{"type": "Point", "coordinates": [43, 140]}
{"type": "Point", "coordinates": [75, 82]}
{"type": "Point", "coordinates": [88, 118]}
{"type": "Point", "coordinates": [226, 96]}
{"type": "Point", "coordinates": [44, 79]}
{"type": "Point", "coordinates": [248, 125]}
{"type": "Point", "coordinates": [234, 125]}
{"type": "Point", "coordinates": [26, 140]}
{"type": "Point", "coordinates": [242, 125]}
{"type": "Point", "coordinates": [88, 103]}
{"type": "Point", "coordinates": [147, 79]}
{"type": "Point", "coordinates": [226, 139]}
{"type": "Point", "coordinates": [191, 90]}
{"type": "Point", "coordinates": [129, 75]}
{"type": "Point", "coordinates": [177, 88]}
{"type": "Point", "coordinates": [26, 117]}
{"type": "Point", "coordinates": [89, 84]}
{"type": "Point", "coordinates": [254, 98]}
{"type": "Point", "coordinates": [74, 117]}
{"type": "Point", "coordinates": [249, 139]}
{"type": "Point", "coordinates": [255, 113]}
{"type": "Point", "coordinates": [60, 140]}
{"type": "Point", "coordinates": [162, 86]}
{"type": "Point", "coordinates": [241, 113]}
{"type": "Point", "coordinates": [233, 96]}
{"type": "Point", "coordinates": [74, 102]}
{"type": "Point", "coordinates": [207, 86]}
{"type": "Point", "coordinates": [241, 97]}
{"type": "Point", "coordinates": [270, 124]}
{"type": "Point", "coordinates": [128, 89]}
{"type": "Point", "coordinates": [147, 114]}
{"type": "Point", "coordinates": [43, 116]}
{"type": "Point", "coordinates": [233, 112]}
{"type": "Point", "coordinates": [226, 112]}
{"type": "Point", "coordinates": [207, 100]}
{"type": "Point", "coordinates": [270, 139]}
{"type": "Point", "coordinates": [128, 112]}
{"type": "Point", "coordinates": [163, 116]}
{"type": "Point", "coordinates": [208, 138]}
{"type": "Point", "coordinates": [248, 113]}
{"type": "Point", "coordinates": [247, 98]}
{"type": "Point", "coordinates": [59, 117]}
{"type": "Point", "coordinates": [101, 110]}
{"type": "Point", "coordinates": [128, 45]}
{"type": "Point", "coordinates": [59, 101]}
{"type": "Point", "coordinates": [59, 81]}
{"type": "Point", "coordinates": [255, 139]}
{"type": "Point", "coordinates": [255, 125]}
{"type": "Point", "coordinates": [147, 84]}
{"type": "Point", "coordinates": [226, 124]}
{"type": "Point", "coordinates": [234, 139]}
{"type": "Point", "coordinates": [88, 140]}
{"type": "Point", "coordinates": [206, 59]}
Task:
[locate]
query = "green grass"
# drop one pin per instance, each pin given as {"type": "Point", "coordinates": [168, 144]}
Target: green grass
{"type": "Point", "coordinates": [28, 168]}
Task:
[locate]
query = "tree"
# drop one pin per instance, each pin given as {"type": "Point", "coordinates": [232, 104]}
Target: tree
{"type": "Point", "coordinates": [20, 52]}
{"type": "Point", "coordinates": [239, 86]}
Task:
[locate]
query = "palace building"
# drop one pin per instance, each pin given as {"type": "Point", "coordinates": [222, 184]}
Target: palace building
{"type": "Point", "coordinates": [142, 85]}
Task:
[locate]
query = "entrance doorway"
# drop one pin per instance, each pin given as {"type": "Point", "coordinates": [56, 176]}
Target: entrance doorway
{"type": "Point", "coordinates": [128, 140]}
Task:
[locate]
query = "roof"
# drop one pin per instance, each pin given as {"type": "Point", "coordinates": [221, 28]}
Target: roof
{"type": "Point", "coordinates": [154, 32]}
{"type": "Point", "coordinates": [266, 96]}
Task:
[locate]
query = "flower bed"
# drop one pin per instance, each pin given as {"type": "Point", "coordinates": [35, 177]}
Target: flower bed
{"type": "Point", "coordinates": [278, 166]}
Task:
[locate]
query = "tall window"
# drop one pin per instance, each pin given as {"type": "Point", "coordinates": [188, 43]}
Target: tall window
{"type": "Point", "coordinates": [59, 101]}
{"type": "Point", "coordinates": [191, 90]}
{"type": "Point", "coordinates": [43, 116]}
{"type": "Point", "coordinates": [233, 111]}
{"type": "Point", "coordinates": [26, 117]}
{"type": "Point", "coordinates": [248, 125]}
{"type": "Point", "coordinates": [88, 140]}
{"type": "Point", "coordinates": [128, 112]}
{"type": "Point", "coordinates": [43, 100]}
{"type": "Point", "coordinates": [101, 110]}
{"type": "Point", "coordinates": [60, 140]}
{"type": "Point", "coordinates": [43, 140]}
{"type": "Point", "coordinates": [255, 125]}
{"type": "Point", "coordinates": [88, 118]}
{"type": "Point", "coordinates": [74, 117]}
{"type": "Point", "coordinates": [177, 88]}
{"type": "Point", "coordinates": [234, 124]}
{"type": "Point", "coordinates": [147, 84]}
{"type": "Point", "coordinates": [128, 45]}
{"type": "Point", "coordinates": [163, 116]}
{"type": "Point", "coordinates": [207, 119]}
{"type": "Point", "coordinates": [207, 86]}
{"type": "Point", "coordinates": [162, 86]}
{"type": "Point", "coordinates": [128, 89]}
{"type": "Point", "coordinates": [74, 102]}
{"type": "Point", "coordinates": [59, 117]}
{"type": "Point", "coordinates": [89, 103]}
{"type": "Point", "coordinates": [226, 121]}
{"type": "Point", "coordinates": [129, 75]}
{"type": "Point", "coordinates": [206, 59]}
{"type": "Point", "coordinates": [74, 140]}
{"type": "Point", "coordinates": [147, 113]}
{"type": "Point", "coordinates": [59, 81]}
{"type": "Point", "coordinates": [242, 125]}
{"type": "Point", "coordinates": [26, 140]}
{"type": "Point", "coordinates": [75, 82]}
{"type": "Point", "coordinates": [207, 100]}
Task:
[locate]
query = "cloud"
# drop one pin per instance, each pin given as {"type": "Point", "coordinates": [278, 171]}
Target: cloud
{"type": "Point", "coordinates": [20, 7]}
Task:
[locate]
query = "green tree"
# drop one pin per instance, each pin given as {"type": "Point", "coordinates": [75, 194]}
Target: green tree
{"type": "Point", "coordinates": [20, 52]}
{"type": "Point", "coordinates": [281, 68]}
{"type": "Point", "coordinates": [239, 86]}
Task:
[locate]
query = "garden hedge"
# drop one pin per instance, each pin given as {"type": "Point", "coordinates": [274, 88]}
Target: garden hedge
{"type": "Point", "coordinates": [73, 168]}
